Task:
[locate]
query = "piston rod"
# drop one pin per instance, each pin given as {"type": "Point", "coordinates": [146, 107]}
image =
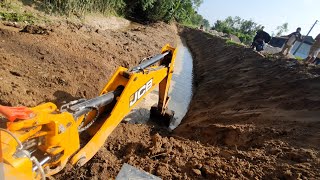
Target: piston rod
{"type": "Point", "coordinates": [149, 62]}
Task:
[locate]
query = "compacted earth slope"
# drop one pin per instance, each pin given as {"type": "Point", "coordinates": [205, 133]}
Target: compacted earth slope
{"type": "Point", "coordinates": [268, 109]}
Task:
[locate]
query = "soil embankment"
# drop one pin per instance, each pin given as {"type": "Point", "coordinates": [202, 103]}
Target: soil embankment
{"type": "Point", "coordinates": [263, 107]}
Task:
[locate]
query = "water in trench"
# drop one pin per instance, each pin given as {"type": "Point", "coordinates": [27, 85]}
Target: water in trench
{"type": "Point", "coordinates": [180, 91]}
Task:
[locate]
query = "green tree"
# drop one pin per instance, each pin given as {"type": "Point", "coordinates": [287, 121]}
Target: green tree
{"type": "Point", "coordinates": [197, 3]}
{"type": "Point", "coordinates": [206, 23]}
{"type": "Point", "coordinates": [244, 29]}
{"type": "Point", "coordinates": [282, 29]}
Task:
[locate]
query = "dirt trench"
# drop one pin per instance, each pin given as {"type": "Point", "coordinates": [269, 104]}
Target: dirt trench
{"type": "Point", "coordinates": [250, 117]}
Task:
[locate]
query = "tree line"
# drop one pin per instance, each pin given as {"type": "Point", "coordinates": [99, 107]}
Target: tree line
{"type": "Point", "coordinates": [182, 11]}
{"type": "Point", "coordinates": [244, 29]}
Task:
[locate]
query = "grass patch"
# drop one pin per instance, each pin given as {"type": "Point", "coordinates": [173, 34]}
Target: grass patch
{"type": "Point", "coordinates": [188, 25]}
{"type": "Point", "coordinates": [8, 6]}
{"type": "Point", "coordinates": [17, 17]}
{"type": "Point", "coordinates": [270, 56]}
{"type": "Point", "coordinates": [232, 43]}
{"type": "Point", "coordinates": [299, 58]}
{"type": "Point", "coordinates": [11, 11]}
{"type": "Point", "coordinates": [81, 8]}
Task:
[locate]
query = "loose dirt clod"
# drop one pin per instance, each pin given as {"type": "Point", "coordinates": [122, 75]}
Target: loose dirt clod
{"type": "Point", "coordinates": [33, 29]}
{"type": "Point", "coordinates": [197, 172]}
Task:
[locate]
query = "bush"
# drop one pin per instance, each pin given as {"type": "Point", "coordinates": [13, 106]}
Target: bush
{"type": "Point", "coordinates": [17, 17]}
{"type": "Point", "coordinates": [69, 7]}
{"type": "Point", "coordinates": [183, 11]}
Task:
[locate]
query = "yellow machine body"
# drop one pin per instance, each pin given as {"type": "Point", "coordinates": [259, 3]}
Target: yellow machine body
{"type": "Point", "coordinates": [55, 134]}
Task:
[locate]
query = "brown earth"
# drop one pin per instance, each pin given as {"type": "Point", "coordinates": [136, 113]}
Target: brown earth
{"type": "Point", "coordinates": [264, 108]}
{"type": "Point", "coordinates": [67, 61]}
{"type": "Point", "coordinates": [250, 117]}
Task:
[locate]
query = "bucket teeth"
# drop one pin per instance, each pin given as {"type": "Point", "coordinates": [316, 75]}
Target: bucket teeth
{"type": "Point", "coordinates": [161, 119]}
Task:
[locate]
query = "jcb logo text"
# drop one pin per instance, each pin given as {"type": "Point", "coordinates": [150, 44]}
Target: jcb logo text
{"type": "Point", "coordinates": [138, 94]}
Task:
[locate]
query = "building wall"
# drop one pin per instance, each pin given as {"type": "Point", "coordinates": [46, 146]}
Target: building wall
{"type": "Point", "coordinates": [303, 52]}
{"type": "Point", "coordinates": [277, 42]}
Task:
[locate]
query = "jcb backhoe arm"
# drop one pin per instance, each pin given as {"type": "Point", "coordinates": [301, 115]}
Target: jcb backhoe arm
{"type": "Point", "coordinates": [40, 141]}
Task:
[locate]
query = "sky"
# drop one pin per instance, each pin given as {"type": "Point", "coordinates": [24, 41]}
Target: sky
{"type": "Point", "coordinates": [269, 13]}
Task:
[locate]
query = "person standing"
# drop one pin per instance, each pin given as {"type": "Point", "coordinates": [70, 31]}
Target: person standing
{"type": "Point", "coordinates": [259, 40]}
{"type": "Point", "coordinates": [293, 37]}
{"type": "Point", "coordinates": [314, 51]}
{"type": "Point", "coordinates": [201, 27]}
{"type": "Point", "coordinates": [317, 60]}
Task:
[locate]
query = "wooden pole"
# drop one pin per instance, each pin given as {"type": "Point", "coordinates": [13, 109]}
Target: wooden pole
{"type": "Point", "coordinates": [304, 38]}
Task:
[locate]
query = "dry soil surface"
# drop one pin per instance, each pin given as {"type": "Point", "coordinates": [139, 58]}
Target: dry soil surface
{"type": "Point", "coordinates": [67, 61]}
{"type": "Point", "coordinates": [250, 117]}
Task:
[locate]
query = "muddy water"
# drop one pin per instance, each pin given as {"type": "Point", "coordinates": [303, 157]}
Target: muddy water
{"type": "Point", "coordinates": [180, 91]}
{"type": "Point", "coordinates": [181, 86]}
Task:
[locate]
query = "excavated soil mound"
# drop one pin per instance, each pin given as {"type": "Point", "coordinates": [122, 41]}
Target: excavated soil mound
{"type": "Point", "coordinates": [251, 103]}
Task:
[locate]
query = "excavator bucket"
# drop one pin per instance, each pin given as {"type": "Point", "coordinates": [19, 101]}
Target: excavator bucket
{"type": "Point", "coordinates": [161, 118]}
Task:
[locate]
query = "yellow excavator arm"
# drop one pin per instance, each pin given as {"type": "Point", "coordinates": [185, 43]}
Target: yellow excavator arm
{"type": "Point", "coordinates": [40, 141]}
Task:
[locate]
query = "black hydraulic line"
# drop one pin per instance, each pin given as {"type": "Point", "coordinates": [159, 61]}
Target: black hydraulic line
{"type": "Point", "coordinates": [149, 62]}
{"type": "Point", "coordinates": [86, 106]}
